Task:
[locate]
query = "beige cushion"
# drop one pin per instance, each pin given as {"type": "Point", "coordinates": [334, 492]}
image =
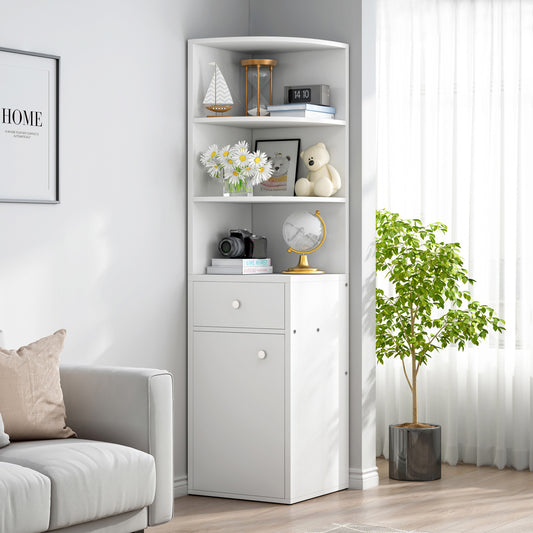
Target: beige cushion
{"type": "Point", "coordinates": [31, 400]}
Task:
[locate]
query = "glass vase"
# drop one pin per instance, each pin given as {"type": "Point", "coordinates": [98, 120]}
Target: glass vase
{"type": "Point", "coordinates": [240, 188]}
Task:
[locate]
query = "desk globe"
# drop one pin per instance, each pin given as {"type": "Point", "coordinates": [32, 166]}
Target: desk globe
{"type": "Point", "coordinates": [304, 233]}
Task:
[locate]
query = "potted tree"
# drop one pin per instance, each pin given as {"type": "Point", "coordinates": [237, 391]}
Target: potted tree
{"type": "Point", "coordinates": [425, 307]}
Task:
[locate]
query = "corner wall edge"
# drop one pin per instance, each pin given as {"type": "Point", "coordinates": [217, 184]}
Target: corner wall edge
{"type": "Point", "coordinates": [363, 479]}
{"type": "Point", "coordinates": [181, 486]}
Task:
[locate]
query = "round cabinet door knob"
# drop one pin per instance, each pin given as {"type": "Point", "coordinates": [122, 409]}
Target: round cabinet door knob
{"type": "Point", "coordinates": [235, 304]}
{"type": "Point", "coordinates": [261, 354]}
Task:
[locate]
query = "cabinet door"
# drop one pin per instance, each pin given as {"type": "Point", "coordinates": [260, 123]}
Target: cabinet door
{"type": "Point", "coordinates": [238, 413]}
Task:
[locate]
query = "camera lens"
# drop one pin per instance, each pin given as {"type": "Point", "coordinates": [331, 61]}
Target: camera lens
{"type": "Point", "coordinates": [231, 247]}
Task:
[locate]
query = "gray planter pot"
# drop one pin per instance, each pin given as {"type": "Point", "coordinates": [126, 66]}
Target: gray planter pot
{"type": "Point", "coordinates": [414, 453]}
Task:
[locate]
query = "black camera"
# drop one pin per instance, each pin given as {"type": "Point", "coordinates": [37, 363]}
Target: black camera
{"type": "Point", "coordinates": [243, 243]}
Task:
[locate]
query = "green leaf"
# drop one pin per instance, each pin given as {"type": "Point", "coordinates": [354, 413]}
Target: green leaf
{"type": "Point", "coordinates": [425, 304]}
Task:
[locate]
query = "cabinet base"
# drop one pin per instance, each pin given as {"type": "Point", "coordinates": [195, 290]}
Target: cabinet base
{"type": "Point", "coordinates": [286, 501]}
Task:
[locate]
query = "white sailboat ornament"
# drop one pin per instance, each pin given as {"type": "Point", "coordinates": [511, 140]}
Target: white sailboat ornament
{"type": "Point", "coordinates": [218, 98]}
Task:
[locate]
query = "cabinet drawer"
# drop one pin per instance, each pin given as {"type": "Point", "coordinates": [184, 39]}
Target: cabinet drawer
{"type": "Point", "coordinates": [242, 305]}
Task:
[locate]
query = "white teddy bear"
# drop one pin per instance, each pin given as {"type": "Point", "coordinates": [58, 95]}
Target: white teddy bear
{"type": "Point", "coordinates": [322, 179]}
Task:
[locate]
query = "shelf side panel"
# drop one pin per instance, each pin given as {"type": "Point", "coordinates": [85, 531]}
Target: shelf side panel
{"type": "Point", "coordinates": [318, 388]}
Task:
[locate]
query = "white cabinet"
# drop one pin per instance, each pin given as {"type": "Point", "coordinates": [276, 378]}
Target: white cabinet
{"type": "Point", "coordinates": [268, 354]}
{"type": "Point", "coordinates": [268, 405]}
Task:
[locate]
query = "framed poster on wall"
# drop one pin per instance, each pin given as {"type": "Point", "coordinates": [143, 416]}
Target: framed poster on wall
{"type": "Point", "coordinates": [29, 127]}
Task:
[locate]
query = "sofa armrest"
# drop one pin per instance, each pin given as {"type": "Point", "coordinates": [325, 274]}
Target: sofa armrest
{"type": "Point", "coordinates": [129, 406]}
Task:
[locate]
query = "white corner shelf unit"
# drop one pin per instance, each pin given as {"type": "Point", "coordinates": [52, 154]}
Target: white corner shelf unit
{"type": "Point", "coordinates": [268, 354]}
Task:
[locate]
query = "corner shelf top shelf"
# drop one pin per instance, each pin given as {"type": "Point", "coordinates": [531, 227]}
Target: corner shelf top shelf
{"type": "Point", "coordinates": [268, 44]}
{"type": "Point", "coordinates": [267, 122]}
{"type": "Point", "coordinates": [269, 199]}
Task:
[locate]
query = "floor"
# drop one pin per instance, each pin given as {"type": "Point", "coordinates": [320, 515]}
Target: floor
{"type": "Point", "coordinates": [466, 498]}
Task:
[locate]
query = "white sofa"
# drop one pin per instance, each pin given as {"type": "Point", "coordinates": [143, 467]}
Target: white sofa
{"type": "Point", "coordinates": [116, 477]}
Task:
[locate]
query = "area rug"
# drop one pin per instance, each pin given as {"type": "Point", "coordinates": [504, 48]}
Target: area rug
{"type": "Point", "coordinates": [362, 528]}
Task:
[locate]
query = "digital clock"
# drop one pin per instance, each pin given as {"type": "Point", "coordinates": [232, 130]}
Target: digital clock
{"type": "Point", "coordinates": [307, 94]}
{"type": "Point", "coordinates": [300, 95]}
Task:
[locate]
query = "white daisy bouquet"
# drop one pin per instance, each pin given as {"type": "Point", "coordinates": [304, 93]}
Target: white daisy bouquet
{"type": "Point", "coordinates": [236, 166]}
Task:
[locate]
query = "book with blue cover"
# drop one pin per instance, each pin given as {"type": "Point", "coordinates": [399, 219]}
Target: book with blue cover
{"type": "Point", "coordinates": [239, 269]}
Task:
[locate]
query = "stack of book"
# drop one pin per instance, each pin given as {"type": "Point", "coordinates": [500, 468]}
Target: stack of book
{"type": "Point", "coordinates": [240, 266]}
{"type": "Point", "coordinates": [302, 110]}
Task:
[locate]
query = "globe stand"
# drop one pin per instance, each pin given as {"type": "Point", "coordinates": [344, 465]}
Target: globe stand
{"type": "Point", "coordinates": [303, 266]}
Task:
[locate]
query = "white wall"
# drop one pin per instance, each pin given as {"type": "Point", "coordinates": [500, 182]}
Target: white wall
{"type": "Point", "coordinates": [108, 263]}
{"type": "Point", "coordinates": [353, 22]}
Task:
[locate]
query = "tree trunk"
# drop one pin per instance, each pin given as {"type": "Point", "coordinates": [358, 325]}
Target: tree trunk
{"type": "Point", "coordinates": [413, 383]}
{"type": "Point", "coordinates": [413, 369]}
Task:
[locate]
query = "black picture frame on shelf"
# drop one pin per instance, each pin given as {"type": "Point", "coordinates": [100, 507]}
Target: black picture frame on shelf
{"type": "Point", "coordinates": [284, 155]}
{"type": "Point", "coordinates": [29, 127]}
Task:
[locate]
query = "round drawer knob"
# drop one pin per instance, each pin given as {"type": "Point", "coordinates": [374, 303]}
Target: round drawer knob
{"type": "Point", "coordinates": [261, 354]}
{"type": "Point", "coordinates": [235, 304]}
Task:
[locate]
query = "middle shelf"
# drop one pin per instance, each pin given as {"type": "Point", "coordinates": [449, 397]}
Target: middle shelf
{"type": "Point", "coordinates": [268, 199]}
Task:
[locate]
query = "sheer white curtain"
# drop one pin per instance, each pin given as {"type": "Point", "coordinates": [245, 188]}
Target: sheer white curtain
{"type": "Point", "coordinates": [455, 144]}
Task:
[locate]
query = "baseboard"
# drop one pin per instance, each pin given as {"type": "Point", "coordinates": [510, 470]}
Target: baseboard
{"type": "Point", "coordinates": [364, 479]}
{"type": "Point", "coordinates": [181, 486]}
